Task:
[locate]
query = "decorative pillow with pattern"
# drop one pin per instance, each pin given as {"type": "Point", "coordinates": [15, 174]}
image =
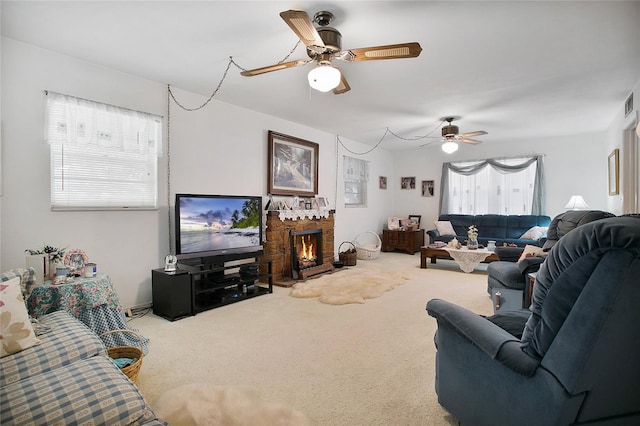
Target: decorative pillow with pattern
{"type": "Point", "coordinates": [534, 233]}
{"type": "Point", "coordinates": [444, 227]}
{"type": "Point", "coordinates": [529, 251]}
{"type": "Point", "coordinates": [16, 332]}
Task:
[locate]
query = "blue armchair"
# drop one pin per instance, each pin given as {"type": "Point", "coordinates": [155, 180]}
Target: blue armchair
{"type": "Point", "coordinates": [577, 360]}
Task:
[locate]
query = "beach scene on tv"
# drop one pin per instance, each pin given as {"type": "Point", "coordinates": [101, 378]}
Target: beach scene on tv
{"type": "Point", "coordinates": [218, 223]}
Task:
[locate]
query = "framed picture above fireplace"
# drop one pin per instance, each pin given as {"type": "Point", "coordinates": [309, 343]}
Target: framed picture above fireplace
{"type": "Point", "coordinates": [293, 166]}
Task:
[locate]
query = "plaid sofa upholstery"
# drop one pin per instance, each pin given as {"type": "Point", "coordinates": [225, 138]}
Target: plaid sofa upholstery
{"type": "Point", "coordinates": [90, 391]}
{"type": "Point", "coordinates": [64, 341]}
{"type": "Point", "coordinates": [68, 379]}
{"type": "Point", "coordinates": [27, 279]}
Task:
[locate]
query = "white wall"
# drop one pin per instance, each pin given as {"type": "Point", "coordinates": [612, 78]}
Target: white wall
{"type": "Point", "coordinates": [614, 140]}
{"type": "Point", "coordinates": [221, 149]}
{"type": "Point", "coordinates": [573, 165]}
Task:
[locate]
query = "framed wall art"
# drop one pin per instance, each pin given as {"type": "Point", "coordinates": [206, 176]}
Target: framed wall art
{"type": "Point", "coordinates": [383, 182]}
{"type": "Point", "coordinates": [427, 188]}
{"type": "Point", "coordinates": [293, 166]}
{"type": "Point", "coordinates": [408, 183]}
{"type": "Point", "coordinates": [614, 172]}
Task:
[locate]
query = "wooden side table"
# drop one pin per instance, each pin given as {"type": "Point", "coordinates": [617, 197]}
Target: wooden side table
{"type": "Point", "coordinates": [409, 241]}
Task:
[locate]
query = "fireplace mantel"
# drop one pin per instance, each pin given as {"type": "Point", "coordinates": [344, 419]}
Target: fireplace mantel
{"type": "Point", "coordinates": [277, 244]}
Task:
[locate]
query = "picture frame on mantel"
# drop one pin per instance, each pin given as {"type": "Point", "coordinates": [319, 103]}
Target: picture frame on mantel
{"type": "Point", "coordinates": [293, 165]}
{"type": "Point", "coordinates": [614, 172]}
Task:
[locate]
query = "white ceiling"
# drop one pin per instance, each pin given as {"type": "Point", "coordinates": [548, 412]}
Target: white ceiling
{"type": "Point", "coordinates": [517, 69]}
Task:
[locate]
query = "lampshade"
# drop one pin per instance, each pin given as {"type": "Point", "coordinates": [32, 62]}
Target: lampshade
{"type": "Point", "coordinates": [450, 147]}
{"type": "Point", "coordinates": [576, 203]}
{"type": "Point", "coordinates": [324, 77]}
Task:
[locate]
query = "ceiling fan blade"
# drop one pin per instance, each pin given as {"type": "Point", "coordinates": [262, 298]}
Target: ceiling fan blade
{"type": "Point", "coordinates": [472, 134]}
{"type": "Point", "coordinates": [276, 67]}
{"type": "Point", "coordinates": [391, 51]}
{"type": "Point", "coordinates": [301, 24]}
{"type": "Point", "coordinates": [343, 86]}
{"type": "Point", "coordinates": [471, 141]}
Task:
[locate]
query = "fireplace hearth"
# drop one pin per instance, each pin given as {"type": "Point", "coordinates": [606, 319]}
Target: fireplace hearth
{"type": "Point", "coordinates": [278, 247]}
{"type": "Point", "coordinates": [306, 253]}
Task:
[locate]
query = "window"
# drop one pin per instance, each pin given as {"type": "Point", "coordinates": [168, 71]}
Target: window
{"type": "Point", "coordinates": [102, 157]}
{"type": "Point", "coordinates": [356, 176]}
{"type": "Point", "coordinates": [508, 187]}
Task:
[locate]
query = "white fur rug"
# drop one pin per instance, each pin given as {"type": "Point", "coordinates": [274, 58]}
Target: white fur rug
{"type": "Point", "coordinates": [353, 285]}
{"type": "Point", "coordinates": [202, 404]}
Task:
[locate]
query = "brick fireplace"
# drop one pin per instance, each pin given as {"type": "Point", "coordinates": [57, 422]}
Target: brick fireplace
{"type": "Point", "coordinates": [278, 245]}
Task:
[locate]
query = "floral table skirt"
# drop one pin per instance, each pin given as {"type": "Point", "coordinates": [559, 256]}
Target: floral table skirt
{"type": "Point", "coordinates": [93, 301]}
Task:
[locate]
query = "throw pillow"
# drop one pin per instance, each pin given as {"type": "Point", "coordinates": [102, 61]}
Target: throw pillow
{"type": "Point", "coordinates": [16, 333]}
{"type": "Point", "coordinates": [529, 251]}
{"type": "Point", "coordinates": [444, 227]}
{"type": "Point", "coordinates": [534, 233]}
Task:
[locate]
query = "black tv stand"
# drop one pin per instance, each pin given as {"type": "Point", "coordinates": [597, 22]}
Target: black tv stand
{"type": "Point", "coordinates": [209, 283]}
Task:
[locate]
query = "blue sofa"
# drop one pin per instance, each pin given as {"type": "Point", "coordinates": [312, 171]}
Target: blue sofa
{"type": "Point", "coordinates": [499, 228]}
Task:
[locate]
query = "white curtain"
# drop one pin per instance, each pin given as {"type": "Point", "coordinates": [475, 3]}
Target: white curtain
{"type": "Point", "coordinates": [81, 123]}
{"type": "Point", "coordinates": [356, 169]}
{"type": "Point", "coordinates": [356, 176]}
{"type": "Point", "coordinates": [509, 187]}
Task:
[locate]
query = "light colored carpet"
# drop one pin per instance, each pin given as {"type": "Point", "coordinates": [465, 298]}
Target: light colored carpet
{"type": "Point", "coordinates": [354, 364]}
{"type": "Point", "coordinates": [353, 285]}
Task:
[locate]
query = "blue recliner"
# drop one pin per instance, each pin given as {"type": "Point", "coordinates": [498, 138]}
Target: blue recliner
{"type": "Point", "coordinates": [578, 361]}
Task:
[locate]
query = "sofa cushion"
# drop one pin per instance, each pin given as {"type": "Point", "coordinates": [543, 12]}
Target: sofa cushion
{"type": "Point", "coordinates": [534, 233]}
{"type": "Point", "coordinates": [530, 250]}
{"type": "Point", "coordinates": [16, 332]}
{"type": "Point", "coordinates": [506, 274]}
{"type": "Point", "coordinates": [444, 227]}
{"type": "Point", "coordinates": [67, 340]}
{"type": "Point", "coordinates": [90, 391]}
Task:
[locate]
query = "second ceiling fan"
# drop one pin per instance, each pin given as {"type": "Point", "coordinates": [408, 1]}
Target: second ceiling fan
{"type": "Point", "coordinates": [451, 135]}
{"type": "Point", "coordinates": [324, 44]}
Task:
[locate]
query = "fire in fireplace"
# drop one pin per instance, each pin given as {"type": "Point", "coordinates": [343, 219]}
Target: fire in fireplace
{"type": "Point", "coordinates": [306, 251]}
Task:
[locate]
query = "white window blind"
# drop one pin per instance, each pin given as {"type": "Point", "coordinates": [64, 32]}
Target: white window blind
{"type": "Point", "coordinates": [356, 176]}
{"type": "Point", "coordinates": [102, 156]}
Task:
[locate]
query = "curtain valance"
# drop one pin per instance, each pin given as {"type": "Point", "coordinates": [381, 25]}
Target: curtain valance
{"type": "Point", "coordinates": [82, 123]}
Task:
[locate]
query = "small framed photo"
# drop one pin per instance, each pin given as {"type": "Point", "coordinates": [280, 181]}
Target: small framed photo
{"type": "Point", "coordinates": [323, 203]}
{"type": "Point", "coordinates": [383, 182]}
{"type": "Point", "coordinates": [408, 182]}
{"type": "Point", "coordinates": [393, 223]}
{"type": "Point", "coordinates": [427, 188]}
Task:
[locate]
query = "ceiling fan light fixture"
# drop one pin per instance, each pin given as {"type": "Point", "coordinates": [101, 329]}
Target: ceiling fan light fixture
{"type": "Point", "coordinates": [450, 147]}
{"type": "Point", "coordinates": [324, 77]}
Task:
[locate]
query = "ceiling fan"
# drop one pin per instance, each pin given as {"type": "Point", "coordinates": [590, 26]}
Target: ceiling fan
{"type": "Point", "coordinates": [451, 136]}
{"type": "Point", "coordinates": [324, 44]}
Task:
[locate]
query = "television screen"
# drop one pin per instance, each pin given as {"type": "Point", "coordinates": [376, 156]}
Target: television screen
{"type": "Point", "coordinates": [210, 225]}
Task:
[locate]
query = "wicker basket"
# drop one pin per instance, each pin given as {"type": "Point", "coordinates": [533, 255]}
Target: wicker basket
{"type": "Point", "coordinates": [368, 250]}
{"type": "Point", "coordinates": [349, 257]}
{"type": "Point", "coordinates": [132, 352]}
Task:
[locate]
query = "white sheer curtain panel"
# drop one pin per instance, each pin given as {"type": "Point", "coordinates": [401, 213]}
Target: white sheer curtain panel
{"type": "Point", "coordinates": [508, 187]}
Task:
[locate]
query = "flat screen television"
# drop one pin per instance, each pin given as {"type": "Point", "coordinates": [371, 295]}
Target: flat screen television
{"type": "Point", "coordinates": [217, 225]}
